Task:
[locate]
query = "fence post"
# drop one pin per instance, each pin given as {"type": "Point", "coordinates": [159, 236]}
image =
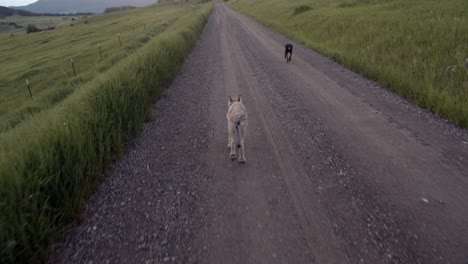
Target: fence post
{"type": "Point", "coordinates": [73, 66]}
{"type": "Point", "coordinates": [120, 41]}
{"type": "Point", "coordinates": [100, 51]}
{"type": "Point", "coordinates": [29, 88]}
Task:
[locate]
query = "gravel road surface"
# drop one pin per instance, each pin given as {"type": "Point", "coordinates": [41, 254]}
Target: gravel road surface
{"type": "Point", "coordinates": [339, 170]}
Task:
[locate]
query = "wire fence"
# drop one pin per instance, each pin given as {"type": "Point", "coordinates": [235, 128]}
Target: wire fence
{"type": "Point", "coordinates": [73, 66]}
{"type": "Point", "coordinates": [75, 70]}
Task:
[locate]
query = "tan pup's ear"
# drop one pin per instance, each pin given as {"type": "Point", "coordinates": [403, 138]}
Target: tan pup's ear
{"type": "Point", "coordinates": [240, 98]}
{"type": "Point", "coordinates": [230, 99]}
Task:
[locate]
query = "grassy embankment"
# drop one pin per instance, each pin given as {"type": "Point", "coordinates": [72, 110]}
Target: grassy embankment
{"type": "Point", "coordinates": [416, 48]}
{"type": "Point", "coordinates": [51, 161]}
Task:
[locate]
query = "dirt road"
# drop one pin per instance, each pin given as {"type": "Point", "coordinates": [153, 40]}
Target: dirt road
{"type": "Point", "coordinates": [338, 169]}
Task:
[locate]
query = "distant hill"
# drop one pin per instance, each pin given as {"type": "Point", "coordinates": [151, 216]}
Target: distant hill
{"type": "Point", "coordinates": [77, 6]}
{"type": "Point", "coordinates": [5, 11]}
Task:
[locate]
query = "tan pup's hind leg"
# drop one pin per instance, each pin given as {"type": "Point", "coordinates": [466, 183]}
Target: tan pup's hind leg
{"type": "Point", "coordinates": [232, 147]}
{"type": "Point", "coordinates": [229, 135]}
{"type": "Point", "coordinates": [241, 145]}
{"type": "Point", "coordinates": [241, 153]}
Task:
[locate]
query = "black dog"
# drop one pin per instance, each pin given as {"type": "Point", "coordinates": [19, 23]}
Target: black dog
{"type": "Point", "coordinates": [288, 51]}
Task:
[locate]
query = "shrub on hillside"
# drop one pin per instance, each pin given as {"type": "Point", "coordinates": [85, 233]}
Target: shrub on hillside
{"type": "Point", "coordinates": [118, 8]}
{"type": "Point", "coordinates": [301, 9]}
{"type": "Point", "coordinates": [347, 4]}
{"type": "Point", "coordinates": [32, 28]}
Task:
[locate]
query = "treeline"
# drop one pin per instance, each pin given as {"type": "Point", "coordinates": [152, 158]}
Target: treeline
{"type": "Point", "coordinates": [13, 24]}
{"type": "Point", "coordinates": [118, 9]}
{"type": "Point", "coordinates": [5, 11]}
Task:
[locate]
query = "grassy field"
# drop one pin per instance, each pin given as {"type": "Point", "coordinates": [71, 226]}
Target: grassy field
{"type": "Point", "coordinates": [416, 48]}
{"type": "Point", "coordinates": [44, 57]}
{"type": "Point", "coordinates": [50, 163]}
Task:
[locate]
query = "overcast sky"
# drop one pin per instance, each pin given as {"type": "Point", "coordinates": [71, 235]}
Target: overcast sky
{"type": "Point", "coordinates": [16, 2]}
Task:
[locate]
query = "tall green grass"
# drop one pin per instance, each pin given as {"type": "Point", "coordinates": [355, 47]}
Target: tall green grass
{"type": "Point", "coordinates": [50, 163]}
{"type": "Point", "coordinates": [416, 48]}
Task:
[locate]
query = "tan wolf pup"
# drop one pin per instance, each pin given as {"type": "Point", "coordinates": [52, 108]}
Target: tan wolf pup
{"type": "Point", "coordinates": [237, 126]}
